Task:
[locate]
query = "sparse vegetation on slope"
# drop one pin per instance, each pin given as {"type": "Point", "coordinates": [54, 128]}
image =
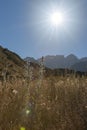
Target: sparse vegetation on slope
{"type": "Point", "coordinates": [10, 63]}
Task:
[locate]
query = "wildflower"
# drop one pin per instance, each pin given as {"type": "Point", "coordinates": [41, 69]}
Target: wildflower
{"type": "Point", "coordinates": [27, 111]}
{"type": "Point", "coordinates": [15, 91]}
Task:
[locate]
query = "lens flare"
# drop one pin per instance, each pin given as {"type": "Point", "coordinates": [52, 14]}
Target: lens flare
{"type": "Point", "coordinates": [22, 128]}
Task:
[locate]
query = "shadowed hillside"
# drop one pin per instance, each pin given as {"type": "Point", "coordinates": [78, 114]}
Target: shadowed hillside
{"type": "Point", "coordinates": [10, 63]}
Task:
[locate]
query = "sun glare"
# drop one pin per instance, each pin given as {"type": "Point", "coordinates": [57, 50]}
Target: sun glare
{"type": "Point", "coordinates": [56, 18]}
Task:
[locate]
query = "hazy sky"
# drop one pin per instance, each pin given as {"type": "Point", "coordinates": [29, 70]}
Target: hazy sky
{"type": "Point", "coordinates": [25, 29]}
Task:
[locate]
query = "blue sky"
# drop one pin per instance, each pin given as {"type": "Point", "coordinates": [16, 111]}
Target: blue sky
{"type": "Point", "coordinates": [25, 30]}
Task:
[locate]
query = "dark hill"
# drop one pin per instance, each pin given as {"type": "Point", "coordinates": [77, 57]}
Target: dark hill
{"type": "Point", "coordinates": [10, 63]}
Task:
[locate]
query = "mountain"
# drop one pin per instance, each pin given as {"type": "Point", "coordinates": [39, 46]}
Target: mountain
{"type": "Point", "coordinates": [54, 61]}
{"type": "Point", "coordinates": [70, 60]}
{"type": "Point", "coordinates": [14, 66]}
{"type": "Point", "coordinates": [10, 63]}
{"type": "Point", "coordinates": [60, 62]}
{"type": "Point", "coordinates": [83, 59]}
{"type": "Point", "coordinates": [30, 59]}
{"type": "Point", "coordinates": [80, 66]}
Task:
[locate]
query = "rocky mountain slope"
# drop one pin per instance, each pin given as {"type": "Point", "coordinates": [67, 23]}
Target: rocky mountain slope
{"type": "Point", "coordinates": [10, 63]}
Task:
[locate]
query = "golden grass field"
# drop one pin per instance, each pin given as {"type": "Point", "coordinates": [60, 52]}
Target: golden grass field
{"type": "Point", "coordinates": [52, 103]}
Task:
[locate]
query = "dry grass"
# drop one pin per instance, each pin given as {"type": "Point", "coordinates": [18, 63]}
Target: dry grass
{"type": "Point", "coordinates": [57, 103]}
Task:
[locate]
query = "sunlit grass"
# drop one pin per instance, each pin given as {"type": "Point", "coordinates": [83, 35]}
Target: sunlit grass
{"type": "Point", "coordinates": [59, 102]}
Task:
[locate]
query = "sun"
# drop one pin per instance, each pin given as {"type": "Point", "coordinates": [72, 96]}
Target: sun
{"type": "Point", "coordinates": [56, 18]}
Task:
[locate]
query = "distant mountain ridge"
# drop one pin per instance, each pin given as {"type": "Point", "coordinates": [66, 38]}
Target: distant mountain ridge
{"type": "Point", "coordinates": [60, 61]}
{"type": "Point", "coordinates": [16, 64]}
{"type": "Point", "coordinates": [31, 59]}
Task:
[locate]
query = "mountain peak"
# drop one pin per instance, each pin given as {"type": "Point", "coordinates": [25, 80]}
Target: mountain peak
{"type": "Point", "coordinates": [30, 59]}
{"type": "Point", "coordinates": [72, 56]}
